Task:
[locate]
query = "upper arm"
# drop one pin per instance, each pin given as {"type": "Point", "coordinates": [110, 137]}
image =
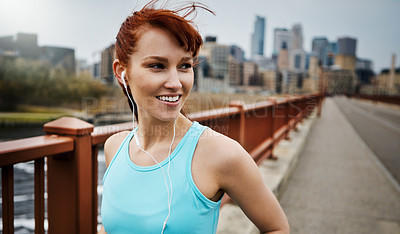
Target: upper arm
{"type": "Point", "coordinates": [241, 179]}
{"type": "Point", "coordinates": [112, 145]}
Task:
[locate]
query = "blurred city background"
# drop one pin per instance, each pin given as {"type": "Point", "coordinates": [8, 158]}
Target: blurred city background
{"type": "Point", "coordinates": [56, 60]}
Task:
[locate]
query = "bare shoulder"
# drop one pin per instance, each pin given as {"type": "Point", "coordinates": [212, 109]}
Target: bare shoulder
{"type": "Point", "coordinates": [222, 150]}
{"type": "Point", "coordinates": [112, 145]}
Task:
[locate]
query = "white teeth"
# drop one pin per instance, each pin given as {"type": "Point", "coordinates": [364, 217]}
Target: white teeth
{"type": "Point", "coordinates": [169, 99]}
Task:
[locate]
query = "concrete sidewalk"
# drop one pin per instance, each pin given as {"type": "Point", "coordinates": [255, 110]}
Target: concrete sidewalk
{"type": "Point", "coordinates": [275, 174]}
{"type": "Point", "coordinates": [338, 186]}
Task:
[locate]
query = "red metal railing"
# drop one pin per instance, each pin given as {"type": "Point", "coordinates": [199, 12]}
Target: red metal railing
{"type": "Point", "coordinates": [71, 147]}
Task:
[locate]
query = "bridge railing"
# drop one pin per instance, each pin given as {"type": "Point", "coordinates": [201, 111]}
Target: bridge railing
{"type": "Point", "coordinates": [70, 147]}
{"type": "Point", "coordinates": [380, 98]}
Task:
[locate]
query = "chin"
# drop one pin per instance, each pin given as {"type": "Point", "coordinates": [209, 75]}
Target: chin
{"type": "Point", "coordinates": [168, 117]}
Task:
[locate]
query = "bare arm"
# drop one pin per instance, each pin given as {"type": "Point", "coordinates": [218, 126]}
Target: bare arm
{"type": "Point", "coordinates": [112, 145]}
{"type": "Point", "coordinates": [242, 181]}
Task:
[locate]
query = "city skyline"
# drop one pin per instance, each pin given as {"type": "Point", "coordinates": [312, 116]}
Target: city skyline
{"type": "Point", "coordinates": [91, 26]}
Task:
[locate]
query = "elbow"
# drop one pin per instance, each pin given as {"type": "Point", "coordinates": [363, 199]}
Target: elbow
{"type": "Point", "coordinates": [282, 229]}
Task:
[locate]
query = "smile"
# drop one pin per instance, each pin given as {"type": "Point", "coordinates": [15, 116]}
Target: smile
{"type": "Point", "coordinates": [169, 98]}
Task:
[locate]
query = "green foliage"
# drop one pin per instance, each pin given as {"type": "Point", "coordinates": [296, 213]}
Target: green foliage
{"type": "Point", "coordinates": [34, 82]}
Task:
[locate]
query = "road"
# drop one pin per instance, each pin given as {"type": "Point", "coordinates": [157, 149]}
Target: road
{"type": "Point", "coordinates": [338, 185]}
{"type": "Point", "coordinates": [378, 125]}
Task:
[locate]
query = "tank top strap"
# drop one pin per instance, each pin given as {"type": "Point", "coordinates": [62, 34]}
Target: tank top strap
{"type": "Point", "coordinates": [123, 145]}
{"type": "Point", "coordinates": [193, 138]}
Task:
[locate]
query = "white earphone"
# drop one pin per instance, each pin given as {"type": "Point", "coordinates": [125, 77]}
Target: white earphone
{"type": "Point", "coordinates": [129, 96]}
{"type": "Point", "coordinates": [123, 78]}
{"type": "Point", "coordinates": [169, 189]}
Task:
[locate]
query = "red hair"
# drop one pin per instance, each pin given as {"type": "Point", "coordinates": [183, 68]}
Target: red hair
{"type": "Point", "coordinates": [180, 27]}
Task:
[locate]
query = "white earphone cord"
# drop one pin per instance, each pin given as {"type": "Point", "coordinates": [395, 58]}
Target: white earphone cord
{"type": "Point", "coordinates": [169, 154]}
{"type": "Point", "coordinates": [169, 190]}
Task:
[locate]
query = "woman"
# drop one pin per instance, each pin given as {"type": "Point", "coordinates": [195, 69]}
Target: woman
{"type": "Point", "coordinates": [169, 174]}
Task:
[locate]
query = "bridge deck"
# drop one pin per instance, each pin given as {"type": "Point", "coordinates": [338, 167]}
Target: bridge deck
{"type": "Point", "coordinates": [339, 186]}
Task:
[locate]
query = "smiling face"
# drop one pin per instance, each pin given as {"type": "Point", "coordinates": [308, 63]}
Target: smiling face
{"type": "Point", "coordinates": [160, 75]}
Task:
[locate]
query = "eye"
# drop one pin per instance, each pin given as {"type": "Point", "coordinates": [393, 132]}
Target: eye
{"type": "Point", "coordinates": [156, 66]}
{"type": "Point", "coordinates": [186, 66]}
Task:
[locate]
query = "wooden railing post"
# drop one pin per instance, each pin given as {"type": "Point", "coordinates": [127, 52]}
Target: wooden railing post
{"type": "Point", "coordinates": [273, 128]}
{"type": "Point", "coordinates": [39, 196]}
{"type": "Point", "coordinates": [287, 120]}
{"type": "Point", "coordinates": [71, 180]}
{"type": "Point", "coordinates": [242, 130]}
{"type": "Point", "coordinates": [7, 178]}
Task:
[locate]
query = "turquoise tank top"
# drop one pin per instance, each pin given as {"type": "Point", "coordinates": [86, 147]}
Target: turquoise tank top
{"type": "Point", "coordinates": [135, 198]}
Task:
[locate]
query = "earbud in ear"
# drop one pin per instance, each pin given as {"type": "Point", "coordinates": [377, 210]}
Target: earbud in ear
{"type": "Point", "coordinates": [123, 78]}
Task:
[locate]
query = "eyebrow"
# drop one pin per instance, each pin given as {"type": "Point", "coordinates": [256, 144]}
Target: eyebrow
{"type": "Point", "coordinates": [163, 59]}
{"type": "Point", "coordinates": [184, 59]}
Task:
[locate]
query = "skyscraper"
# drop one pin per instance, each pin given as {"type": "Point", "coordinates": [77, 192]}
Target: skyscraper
{"type": "Point", "coordinates": [282, 36]}
{"type": "Point", "coordinates": [347, 46]}
{"type": "Point", "coordinates": [237, 53]}
{"type": "Point", "coordinates": [257, 38]}
{"type": "Point", "coordinates": [297, 37]}
{"type": "Point", "coordinates": [346, 57]}
{"type": "Point", "coordinates": [320, 45]}
{"type": "Point", "coordinates": [297, 54]}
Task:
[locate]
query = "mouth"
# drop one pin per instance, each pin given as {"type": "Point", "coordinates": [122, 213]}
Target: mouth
{"type": "Point", "coordinates": [169, 98]}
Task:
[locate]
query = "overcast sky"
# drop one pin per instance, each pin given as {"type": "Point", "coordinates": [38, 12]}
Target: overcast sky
{"type": "Point", "coordinates": [89, 26]}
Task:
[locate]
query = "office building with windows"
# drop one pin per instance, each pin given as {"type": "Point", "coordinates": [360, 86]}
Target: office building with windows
{"type": "Point", "coordinates": [258, 37]}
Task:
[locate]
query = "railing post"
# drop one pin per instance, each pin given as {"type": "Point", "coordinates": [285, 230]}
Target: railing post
{"type": "Point", "coordinates": [39, 196]}
{"type": "Point", "coordinates": [287, 120]}
{"type": "Point", "coordinates": [70, 180]}
{"type": "Point", "coordinates": [273, 117]}
{"type": "Point", "coordinates": [240, 106]}
{"type": "Point", "coordinates": [320, 100]}
{"type": "Point", "coordinates": [7, 178]}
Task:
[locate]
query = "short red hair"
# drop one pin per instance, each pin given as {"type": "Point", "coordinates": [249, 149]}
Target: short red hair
{"type": "Point", "coordinates": [180, 27]}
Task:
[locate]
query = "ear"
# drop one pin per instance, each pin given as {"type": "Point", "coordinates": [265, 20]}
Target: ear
{"type": "Point", "coordinates": [118, 69]}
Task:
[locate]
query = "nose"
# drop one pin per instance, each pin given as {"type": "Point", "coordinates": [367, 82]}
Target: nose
{"type": "Point", "coordinates": [173, 81]}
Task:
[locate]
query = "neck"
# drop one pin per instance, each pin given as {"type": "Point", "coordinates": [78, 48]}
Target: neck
{"type": "Point", "coordinates": [155, 132]}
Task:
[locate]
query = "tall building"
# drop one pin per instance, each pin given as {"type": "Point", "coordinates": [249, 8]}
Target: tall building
{"type": "Point", "coordinates": [320, 45]}
{"type": "Point", "coordinates": [60, 57]}
{"type": "Point", "coordinates": [25, 45]}
{"type": "Point", "coordinates": [364, 71]}
{"type": "Point", "coordinates": [235, 72]}
{"type": "Point", "coordinates": [264, 63]}
{"type": "Point", "coordinates": [347, 46]}
{"type": "Point", "coordinates": [237, 53]}
{"type": "Point", "coordinates": [346, 57]}
{"type": "Point", "coordinates": [297, 32]}
{"type": "Point", "coordinates": [217, 69]}
{"type": "Point", "coordinates": [282, 35]}
{"type": "Point", "coordinates": [250, 74]}
{"type": "Point", "coordinates": [313, 66]}
{"type": "Point", "coordinates": [388, 81]}
{"type": "Point", "coordinates": [332, 50]}
{"type": "Point", "coordinates": [106, 70]}
{"type": "Point", "coordinates": [257, 38]}
{"type": "Point", "coordinates": [216, 56]}
{"type": "Point", "coordinates": [297, 60]}
{"type": "Point", "coordinates": [283, 57]}
{"type": "Point", "coordinates": [7, 45]}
